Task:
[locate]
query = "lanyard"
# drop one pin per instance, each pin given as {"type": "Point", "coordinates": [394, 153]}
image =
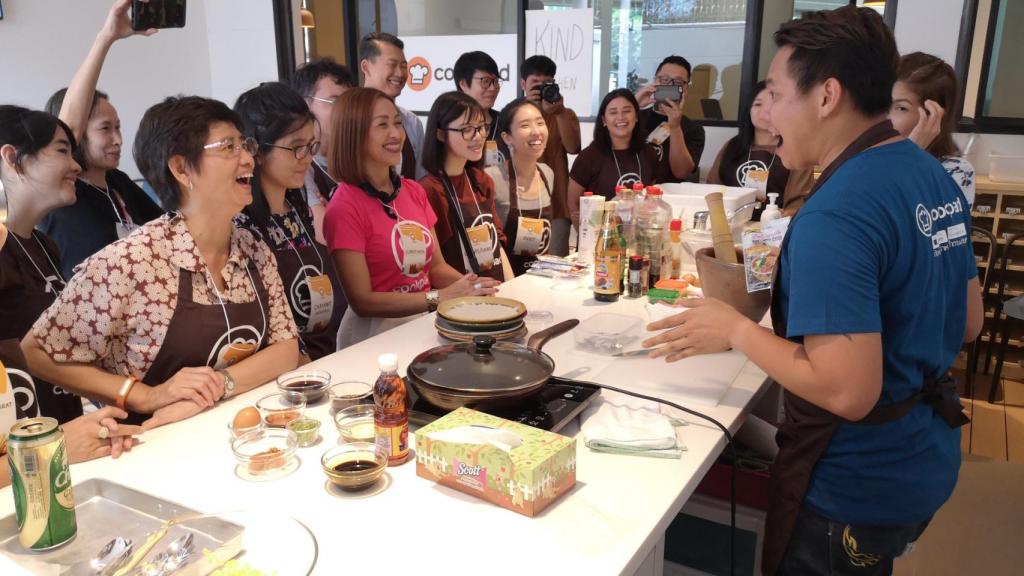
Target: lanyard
{"type": "Point", "coordinates": [770, 164]}
{"type": "Point", "coordinates": [639, 167]}
{"type": "Point", "coordinates": [540, 206]}
{"type": "Point", "coordinates": [126, 221]}
{"type": "Point", "coordinates": [455, 195]}
{"type": "Point", "coordinates": [305, 234]}
{"type": "Point", "coordinates": [225, 308]}
{"type": "Point", "coordinates": [36, 266]}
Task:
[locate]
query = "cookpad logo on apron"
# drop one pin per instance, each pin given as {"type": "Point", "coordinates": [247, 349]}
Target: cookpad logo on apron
{"type": "Point", "coordinates": [533, 235]}
{"type": "Point", "coordinates": [753, 174]}
{"type": "Point", "coordinates": [628, 179]}
{"type": "Point", "coordinates": [235, 345]}
{"type": "Point", "coordinates": [409, 244]}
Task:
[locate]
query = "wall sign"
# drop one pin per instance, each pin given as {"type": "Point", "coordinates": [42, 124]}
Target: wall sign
{"type": "Point", "coordinates": [567, 37]}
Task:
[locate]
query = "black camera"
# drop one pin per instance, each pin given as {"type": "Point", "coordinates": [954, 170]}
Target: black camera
{"type": "Point", "coordinates": [549, 91]}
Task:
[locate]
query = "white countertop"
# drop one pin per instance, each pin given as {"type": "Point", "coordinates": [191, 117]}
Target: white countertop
{"type": "Point", "coordinates": [607, 524]}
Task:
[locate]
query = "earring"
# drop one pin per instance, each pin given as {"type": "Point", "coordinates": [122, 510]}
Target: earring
{"type": "Point", "coordinates": [191, 188]}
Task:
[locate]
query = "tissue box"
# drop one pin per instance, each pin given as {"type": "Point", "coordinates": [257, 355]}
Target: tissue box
{"type": "Point", "coordinates": [524, 479]}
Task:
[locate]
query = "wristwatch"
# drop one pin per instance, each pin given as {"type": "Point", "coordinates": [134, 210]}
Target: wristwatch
{"type": "Point", "coordinates": [432, 299]}
{"type": "Point", "coordinates": [229, 383]}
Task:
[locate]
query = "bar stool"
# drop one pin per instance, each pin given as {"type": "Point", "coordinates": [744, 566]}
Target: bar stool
{"type": "Point", "coordinates": [1013, 309]}
{"type": "Point", "coordinates": [986, 282]}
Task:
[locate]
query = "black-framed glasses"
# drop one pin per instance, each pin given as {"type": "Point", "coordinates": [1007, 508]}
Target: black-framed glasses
{"type": "Point", "coordinates": [488, 81]}
{"type": "Point", "coordinates": [670, 81]}
{"type": "Point", "coordinates": [300, 151]}
{"type": "Point", "coordinates": [233, 146]}
{"type": "Point", "coordinates": [469, 132]}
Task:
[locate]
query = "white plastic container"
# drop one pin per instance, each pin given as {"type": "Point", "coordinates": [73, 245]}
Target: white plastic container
{"type": "Point", "coordinates": [591, 212]}
{"type": "Point", "coordinates": [685, 198]}
{"type": "Point", "coordinates": [1005, 167]}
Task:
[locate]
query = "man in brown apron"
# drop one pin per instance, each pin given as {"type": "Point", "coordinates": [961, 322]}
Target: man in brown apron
{"type": "Point", "coordinates": [876, 290]}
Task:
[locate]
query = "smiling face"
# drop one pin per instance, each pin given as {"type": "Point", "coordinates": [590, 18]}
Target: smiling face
{"type": "Point", "coordinates": [620, 117]}
{"type": "Point", "coordinates": [279, 167]}
{"type": "Point", "coordinates": [905, 108]}
{"type": "Point", "coordinates": [388, 71]}
{"type": "Point", "coordinates": [223, 179]}
{"type": "Point", "coordinates": [102, 142]}
{"type": "Point", "coordinates": [47, 178]}
{"type": "Point", "coordinates": [528, 134]}
{"type": "Point", "coordinates": [759, 112]}
{"type": "Point", "coordinates": [793, 115]}
{"type": "Point", "coordinates": [386, 135]}
{"type": "Point", "coordinates": [456, 145]}
{"type": "Point", "coordinates": [484, 88]}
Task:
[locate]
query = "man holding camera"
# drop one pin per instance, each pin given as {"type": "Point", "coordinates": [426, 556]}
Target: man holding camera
{"type": "Point", "coordinates": [678, 140]}
{"type": "Point", "coordinates": [538, 84]}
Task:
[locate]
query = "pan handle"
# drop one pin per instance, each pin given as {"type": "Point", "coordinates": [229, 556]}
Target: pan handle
{"type": "Point", "coordinates": [539, 339]}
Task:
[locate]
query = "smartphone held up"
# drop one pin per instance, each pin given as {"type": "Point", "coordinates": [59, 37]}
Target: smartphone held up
{"type": "Point", "coordinates": [156, 14]}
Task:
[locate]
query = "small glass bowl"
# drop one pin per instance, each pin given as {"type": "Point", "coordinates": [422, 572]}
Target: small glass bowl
{"type": "Point", "coordinates": [264, 452]}
{"type": "Point", "coordinates": [350, 393]}
{"type": "Point", "coordinates": [361, 464]}
{"type": "Point", "coordinates": [307, 430]}
{"type": "Point", "coordinates": [277, 410]}
{"type": "Point", "coordinates": [310, 383]}
{"type": "Point", "coordinates": [241, 431]}
{"type": "Point", "coordinates": [355, 423]}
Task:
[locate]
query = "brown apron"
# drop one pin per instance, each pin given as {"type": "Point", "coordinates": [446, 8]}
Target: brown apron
{"type": "Point", "coordinates": [807, 430]}
{"type": "Point", "coordinates": [198, 334]}
{"type": "Point", "coordinates": [408, 161]}
{"type": "Point", "coordinates": [520, 262]}
{"type": "Point", "coordinates": [459, 248]}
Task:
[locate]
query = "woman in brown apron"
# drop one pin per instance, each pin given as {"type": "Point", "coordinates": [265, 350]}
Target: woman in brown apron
{"type": "Point", "coordinates": [280, 121]}
{"type": "Point", "coordinates": [470, 237]}
{"type": "Point", "coordinates": [37, 174]}
{"type": "Point", "coordinates": [189, 306]}
{"type": "Point", "coordinates": [524, 183]}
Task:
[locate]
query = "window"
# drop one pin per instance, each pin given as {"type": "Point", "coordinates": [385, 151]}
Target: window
{"type": "Point", "coordinates": [991, 56]}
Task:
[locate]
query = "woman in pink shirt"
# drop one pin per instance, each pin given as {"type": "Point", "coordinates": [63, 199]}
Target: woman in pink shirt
{"type": "Point", "coordinates": [380, 227]}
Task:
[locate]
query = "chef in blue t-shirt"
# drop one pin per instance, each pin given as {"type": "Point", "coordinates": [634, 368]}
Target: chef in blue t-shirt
{"type": "Point", "coordinates": [876, 291]}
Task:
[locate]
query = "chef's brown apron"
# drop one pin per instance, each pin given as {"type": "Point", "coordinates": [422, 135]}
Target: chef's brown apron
{"type": "Point", "coordinates": [296, 265]}
{"type": "Point", "coordinates": [520, 263]}
{"type": "Point", "coordinates": [408, 160]}
{"type": "Point", "coordinates": [807, 430]}
{"type": "Point", "coordinates": [198, 334]}
{"type": "Point", "coordinates": [459, 248]}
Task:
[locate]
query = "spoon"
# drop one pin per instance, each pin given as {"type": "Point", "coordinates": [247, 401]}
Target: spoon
{"type": "Point", "coordinates": [180, 550]}
{"type": "Point", "coordinates": [112, 556]}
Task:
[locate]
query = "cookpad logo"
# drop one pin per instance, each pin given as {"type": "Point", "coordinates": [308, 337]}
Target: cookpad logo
{"type": "Point", "coordinates": [419, 73]}
{"type": "Point", "coordinates": [924, 220]}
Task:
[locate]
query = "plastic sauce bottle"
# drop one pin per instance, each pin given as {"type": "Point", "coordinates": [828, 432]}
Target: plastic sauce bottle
{"type": "Point", "coordinates": [771, 211]}
{"type": "Point", "coordinates": [390, 414]}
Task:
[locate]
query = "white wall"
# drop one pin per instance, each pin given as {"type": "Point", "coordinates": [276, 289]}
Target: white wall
{"type": "Point", "coordinates": [226, 47]}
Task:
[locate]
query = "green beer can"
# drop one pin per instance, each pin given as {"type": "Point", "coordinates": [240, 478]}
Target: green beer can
{"type": "Point", "coordinates": [43, 501]}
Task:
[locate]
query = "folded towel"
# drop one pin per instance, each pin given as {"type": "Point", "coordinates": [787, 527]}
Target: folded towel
{"type": "Point", "coordinates": [631, 426]}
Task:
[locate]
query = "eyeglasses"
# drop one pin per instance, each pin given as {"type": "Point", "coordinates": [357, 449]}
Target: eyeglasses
{"type": "Point", "coordinates": [232, 147]}
{"type": "Point", "coordinates": [300, 151]}
{"type": "Point", "coordinates": [330, 101]}
{"type": "Point", "coordinates": [488, 81]}
{"type": "Point", "coordinates": [670, 81]}
{"type": "Point", "coordinates": [470, 132]}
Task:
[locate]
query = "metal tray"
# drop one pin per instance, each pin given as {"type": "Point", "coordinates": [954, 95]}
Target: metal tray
{"type": "Point", "coordinates": [106, 510]}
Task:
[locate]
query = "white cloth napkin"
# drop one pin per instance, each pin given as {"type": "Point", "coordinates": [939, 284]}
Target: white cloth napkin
{"type": "Point", "coordinates": [631, 426]}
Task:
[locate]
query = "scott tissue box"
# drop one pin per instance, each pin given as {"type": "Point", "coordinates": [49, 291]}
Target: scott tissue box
{"type": "Point", "coordinates": [513, 465]}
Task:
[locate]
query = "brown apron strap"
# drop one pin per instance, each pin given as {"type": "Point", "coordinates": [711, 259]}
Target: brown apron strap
{"type": "Point", "coordinates": [408, 161]}
{"type": "Point", "coordinates": [938, 393]}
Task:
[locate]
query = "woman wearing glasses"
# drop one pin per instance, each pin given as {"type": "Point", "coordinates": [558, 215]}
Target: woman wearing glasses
{"type": "Point", "coordinates": [380, 227]}
{"type": "Point", "coordinates": [277, 118]}
{"type": "Point", "coordinates": [188, 309]}
{"type": "Point", "coordinates": [109, 204]}
{"type": "Point", "coordinates": [461, 195]}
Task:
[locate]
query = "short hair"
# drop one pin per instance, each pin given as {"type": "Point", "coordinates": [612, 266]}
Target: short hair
{"type": "Point", "coordinates": [178, 126]}
{"type": "Point", "coordinates": [470, 62]}
{"type": "Point", "coordinates": [305, 78]}
{"type": "Point", "coordinates": [448, 108]}
{"type": "Point", "coordinates": [29, 131]}
{"type": "Point", "coordinates": [352, 118]}
{"type": "Point", "coordinates": [852, 45]}
{"type": "Point", "coordinates": [678, 61]}
{"type": "Point", "coordinates": [268, 113]}
{"type": "Point", "coordinates": [931, 78]}
{"type": "Point", "coordinates": [369, 47]}
{"type": "Point", "coordinates": [601, 136]}
{"type": "Point", "coordinates": [539, 65]}
{"type": "Point", "coordinates": [53, 106]}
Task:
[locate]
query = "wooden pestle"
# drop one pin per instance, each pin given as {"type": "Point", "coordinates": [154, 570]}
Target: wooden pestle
{"type": "Point", "coordinates": [721, 233]}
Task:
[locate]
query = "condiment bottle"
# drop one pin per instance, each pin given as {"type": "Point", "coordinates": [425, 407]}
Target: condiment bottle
{"type": "Point", "coordinates": [591, 216]}
{"type": "Point", "coordinates": [676, 246]}
{"type": "Point", "coordinates": [390, 414]}
{"type": "Point", "coordinates": [633, 288]}
{"type": "Point", "coordinates": [645, 274]}
{"type": "Point", "coordinates": [608, 257]}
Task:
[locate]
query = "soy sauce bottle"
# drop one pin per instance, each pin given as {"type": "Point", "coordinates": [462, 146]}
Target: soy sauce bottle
{"type": "Point", "coordinates": [390, 414]}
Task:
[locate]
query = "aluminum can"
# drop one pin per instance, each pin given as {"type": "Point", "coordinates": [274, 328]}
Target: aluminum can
{"type": "Point", "coordinates": [43, 501]}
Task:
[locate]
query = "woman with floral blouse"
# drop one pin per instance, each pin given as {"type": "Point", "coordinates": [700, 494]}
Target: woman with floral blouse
{"type": "Point", "coordinates": [187, 309]}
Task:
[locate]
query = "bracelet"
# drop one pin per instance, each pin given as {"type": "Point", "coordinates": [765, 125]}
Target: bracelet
{"type": "Point", "coordinates": [126, 388]}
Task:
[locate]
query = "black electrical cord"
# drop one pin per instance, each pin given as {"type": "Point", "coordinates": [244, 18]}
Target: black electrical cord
{"type": "Point", "coordinates": [730, 445]}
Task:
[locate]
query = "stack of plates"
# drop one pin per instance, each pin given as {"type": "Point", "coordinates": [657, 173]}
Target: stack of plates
{"type": "Point", "coordinates": [461, 319]}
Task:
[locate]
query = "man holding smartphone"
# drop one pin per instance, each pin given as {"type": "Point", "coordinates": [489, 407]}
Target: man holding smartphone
{"type": "Point", "coordinates": [538, 84]}
{"type": "Point", "coordinates": [678, 140]}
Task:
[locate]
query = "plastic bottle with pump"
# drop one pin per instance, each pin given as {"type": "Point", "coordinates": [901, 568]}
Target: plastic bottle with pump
{"type": "Point", "coordinates": [771, 210]}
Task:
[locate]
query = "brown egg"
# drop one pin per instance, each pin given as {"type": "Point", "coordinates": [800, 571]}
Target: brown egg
{"type": "Point", "coordinates": [246, 418]}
